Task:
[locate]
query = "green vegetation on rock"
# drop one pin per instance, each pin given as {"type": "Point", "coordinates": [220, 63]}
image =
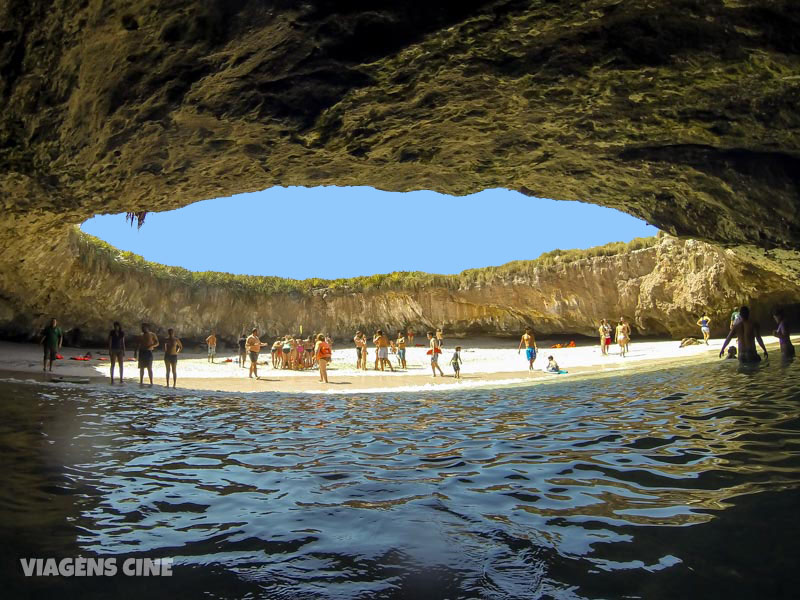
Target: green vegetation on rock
{"type": "Point", "coordinates": [99, 254]}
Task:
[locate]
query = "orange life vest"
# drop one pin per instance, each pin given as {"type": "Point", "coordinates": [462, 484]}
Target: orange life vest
{"type": "Point", "coordinates": [324, 350]}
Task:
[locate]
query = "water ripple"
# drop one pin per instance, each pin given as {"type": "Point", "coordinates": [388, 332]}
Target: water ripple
{"type": "Point", "coordinates": [588, 489]}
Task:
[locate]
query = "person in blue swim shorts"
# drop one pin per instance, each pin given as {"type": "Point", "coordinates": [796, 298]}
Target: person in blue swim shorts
{"type": "Point", "coordinates": [529, 341]}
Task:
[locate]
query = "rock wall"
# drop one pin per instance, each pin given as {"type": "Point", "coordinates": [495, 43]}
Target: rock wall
{"type": "Point", "coordinates": [661, 289]}
{"type": "Point", "coordinates": [681, 112]}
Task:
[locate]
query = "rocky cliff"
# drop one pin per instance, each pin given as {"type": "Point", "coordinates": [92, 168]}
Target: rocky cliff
{"type": "Point", "coordinates": [661, 287]}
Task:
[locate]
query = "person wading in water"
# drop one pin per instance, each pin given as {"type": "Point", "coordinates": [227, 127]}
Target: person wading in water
{"type": "Point", "coordinates": [747, 333]}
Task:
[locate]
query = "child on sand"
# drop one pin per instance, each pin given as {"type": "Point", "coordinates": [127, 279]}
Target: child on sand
{"type": "Point", "coordinates": [552, 365]}
{"type": "Point", "coordinates": [731, 353]}
{"type": "Point", "coordinates": [456, 363]}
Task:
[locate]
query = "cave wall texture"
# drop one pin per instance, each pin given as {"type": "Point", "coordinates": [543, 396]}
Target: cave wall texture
{"type": "Point", "coordinates": [681, 112]}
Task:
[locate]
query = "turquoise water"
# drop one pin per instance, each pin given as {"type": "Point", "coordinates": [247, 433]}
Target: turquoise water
{"type": "Point", "coordinates": [671, 484]}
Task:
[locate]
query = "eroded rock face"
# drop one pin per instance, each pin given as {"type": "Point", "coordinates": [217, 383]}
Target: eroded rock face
{"type": "Point", "coordinates": [662, 290]}
{"type": "Point", "coordinates": [681, 112]}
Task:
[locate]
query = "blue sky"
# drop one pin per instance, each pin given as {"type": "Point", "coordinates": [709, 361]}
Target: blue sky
{"type": "Point", "coordinates": [333, 232]}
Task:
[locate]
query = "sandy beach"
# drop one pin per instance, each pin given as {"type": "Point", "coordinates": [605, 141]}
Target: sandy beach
{"type": "Point", "coordinates": [487, 362]}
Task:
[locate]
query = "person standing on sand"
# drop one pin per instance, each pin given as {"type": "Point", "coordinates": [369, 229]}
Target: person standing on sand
{"type": "Point", "coordinates": [253, 345]}
{"type": "Point", "coordinates": [410, 336]}
{"type": "Point", "coordinates": [455, 362]}
{"type": "Point", "coordinates": [627, 330]}
{"type": "Point", "coordinates": [747, 333]}
{"type": "Point", "coordinates": [52, 338]}
{"type": "Point", "coordinates": [212, 346]}
{"type": "Point", "coordinates": [357, 342]}
{"type": "Point", "coordinates": [363, 345]}
{"type": "Point", "coordinates": [242, 343]}
{"type": "Point", "coordinates": [148, 342]}
{"type": "Point", "coordinates": [323, 352]}
{"type": "Point", "coordinates": [401, 349]}
{"type": "Point", "coordinates": [782, 333]}
{"type": "Point", "coordinates": [704, 323]}
{"type": "Point", "coordinates": [607, 330]}
{"type": "Point", "coordinates": [434, 352]}
{"type": "Point", "coordinates": [601, 331]}
{"type": "Point", "coordinates": [116, 349]}
{"type": "Point", "coordinates": [529, 341]}
{"type": "Point", "coordinates": [440, 337]}
{"type": "Point", "coordinates": [621, 338]}
{"type": "Point", "coordinates": [375, 339]}
{"type": "Point", "coordinates": [382, 343]}
{"type": "Point", "coordinates": [172, 347]}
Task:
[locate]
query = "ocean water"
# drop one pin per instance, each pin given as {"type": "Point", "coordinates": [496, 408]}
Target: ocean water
{"type": "Point", "coordinates": [680, 483]}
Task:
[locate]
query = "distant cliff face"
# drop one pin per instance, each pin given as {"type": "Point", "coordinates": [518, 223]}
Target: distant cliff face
{"type": "Point", "coordinates": [661, 289]}
{"type": "Point", "coordinates": [683, 113]}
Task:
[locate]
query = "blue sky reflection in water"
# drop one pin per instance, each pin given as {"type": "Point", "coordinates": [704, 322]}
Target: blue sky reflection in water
{"type": "Point", "coordinates": [680, 483]}
{"type": "Point", "coordinates": [333, 232]}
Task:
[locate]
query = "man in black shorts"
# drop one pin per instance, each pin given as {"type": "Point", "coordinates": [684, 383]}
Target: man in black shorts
{"type": "Point", "coordinates": [147, 343]}
{"type": "Point", "coordinates": [52, 338]}
{"type": "Point", "coordinates": [253, 348]}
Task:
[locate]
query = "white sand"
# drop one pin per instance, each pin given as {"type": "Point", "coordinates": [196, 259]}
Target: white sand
{"type": "Point", "coordinates": [485, 362]}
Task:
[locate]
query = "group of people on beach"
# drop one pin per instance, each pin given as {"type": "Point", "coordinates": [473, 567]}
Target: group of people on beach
{"type": "Point", "coordinates": [621, 334]}
{"type": "Point", "coordinates": [293, 352]}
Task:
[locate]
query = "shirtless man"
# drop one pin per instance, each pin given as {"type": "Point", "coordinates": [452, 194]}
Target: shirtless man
{"type": "Point", "coordinates": [147, 343]}
{"type": "Point", "coordinates": [172, 347]}
{"type": "Point", "coordinates": [440, 337]}
{"type": "Point", "coordinates": [212, 346]}
{"type": "Point", "coordinates": [434, 344]}
{"type": "Point", "coordinates": [253, 346]}
{"type": "Point", "coordinates": [357, 342]}
{"type": "Point", "coordinates": [747, 332]}
{"type": "Point", "coordinates": [382, 345]}
{"type": "Point", "coordinates": [401, 349]}
{"type": "Point", "coordinates": [531, 348]}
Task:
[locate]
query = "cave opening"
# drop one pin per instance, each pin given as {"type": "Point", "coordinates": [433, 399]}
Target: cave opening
{"type": "Point", "coordinates": [341, 232]}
